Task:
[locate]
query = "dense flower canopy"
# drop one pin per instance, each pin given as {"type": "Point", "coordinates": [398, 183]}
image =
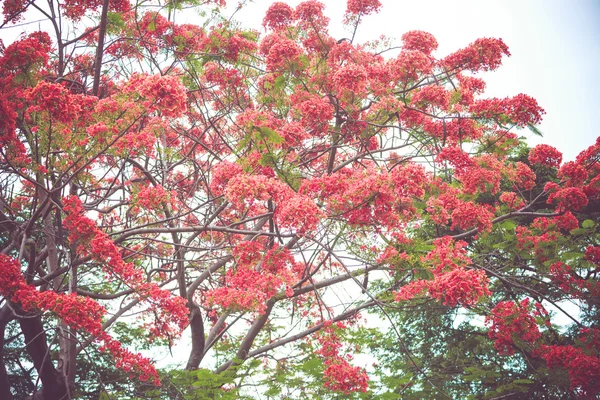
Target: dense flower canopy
{"type": "Point", "coordinates": [283, 205]}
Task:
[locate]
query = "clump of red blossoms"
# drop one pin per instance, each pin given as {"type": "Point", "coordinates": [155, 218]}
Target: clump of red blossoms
{"type": "Point", "coordinates": [512, 325]}
{"type": "Point", "coordinates": [546, 155]}
{"type": "Point", "coordinates": [339, 374]}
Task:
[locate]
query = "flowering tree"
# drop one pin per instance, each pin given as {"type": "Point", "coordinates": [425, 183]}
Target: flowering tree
{"type": "Point", "coordinates": [281, 202]}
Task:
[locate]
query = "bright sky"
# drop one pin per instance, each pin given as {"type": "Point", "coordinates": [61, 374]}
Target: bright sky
{"type": "Point", "coordinates": [555, 46]}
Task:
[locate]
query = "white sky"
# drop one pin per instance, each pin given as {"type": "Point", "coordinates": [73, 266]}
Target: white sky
{"type": "Point", "coordinates": [555, 46]}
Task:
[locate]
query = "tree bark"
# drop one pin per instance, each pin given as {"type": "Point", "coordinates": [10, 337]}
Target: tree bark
{"type": "Point", "coordinates": [246, 345]}
{"type": "Point", "coordinates": [100, 48]}
{"type": "Point", "coordinates": [198, 340]}
{"type": "Point", "coordinates": [53, 384]}
{"type": "Point", "coordinates": [5, 317]}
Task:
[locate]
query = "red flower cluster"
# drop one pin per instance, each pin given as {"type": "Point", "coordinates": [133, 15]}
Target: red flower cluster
{"type": "Point", "coordinates": [457, 157]}
{"type": "Point", "coordinates": [152, 198]}
{"type": "Point", "coordinates": [24, 53]}
{"type": "Point", "coordinates": [231, 44]}
{"type": "Point", "coordinates": [282, 52]}
{"type": "Point", "coordinates": [310, 15]}
{"type": "Point", "coordinates": [216, 73]}
{"type": "Point", "coordinates": [583, 368]}
{"type": "Point", "coordinates": [569, 198]}
{"type": "Point", "coordinates": [278, 16]}
{"type": "Point", "coordinates": [76, 9]}
{"type": "Point", "coordinates": [452, 282]}
{"type": "Point", "coordinates": [469, 87]}
{"type": "Point", "coordinates": [482, 175]}
{"type": "Point", "coordinates": [186, 39]}
{"type": "Point", "coordinates": [447, 255]}
{"type": "Point", "coordinates": [350, 78]}
{"type": "Point", "coordinates": [132, 363]}
{"type": "Point", "coordinates": [542, 154]}
{"type": "Point", "coordinates": [362, 7]}
{"type": "Point", "coordinates": [521, 109]}
{"type": "Point", "coordinates": [567, 221]}
{"type": "Point", "coordinates": [573, 173]}
{"type": "Point", "coordinates": [339, 374]}
{"type": "Point", "coordinates": [370, 196]}
{"type": "Point", "coordinates": [431, 96]}
{"type": "Point", "coordinates": [221, 174]}
{"type": "Point", "coordinates": [453, 132]}
{"type": "Point", "coordinates": [467, 215]}
{"type": "Point", "coordinates": [566, 279]}
{"type": "Point", "coordinates": [511, 325]}
{"type": "Point", "coordinates": [512, 200]}
{"type": "Point", "coordinates": [459, 286]}
{"type": "Point", "coordinates": [314, 112]}
{"type": "Point", "coordinates": [409, 66]}
{"type": "Point", "coordinates": [463, 214]}
{"type": "Point", "coordinates": [163, 93]}
{"type": "Point", "coordinates": [13, 10]}
{"type": "Point", "coordinates": [592, 254]}
{"type": "Point", "coordinates": [482, 55]}
{"type": "Point", "coordinates": [256, 278]}
{"type": "Point", "coordinates": [523, 176]}
{"type": "Point", "coordinates": [294, 210]}
{"type": "Point", "coordinates": [419, 41]}
{"type": "Point", "coordinates": [55, 101]}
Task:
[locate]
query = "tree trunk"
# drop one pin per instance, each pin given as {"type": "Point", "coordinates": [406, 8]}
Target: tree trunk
{"type": "Point", "coordinates": [5, 317]}
{"type": "Point", "coordinates": [198, 340]}
{"type": "Point", "coordinates": [53, 384]}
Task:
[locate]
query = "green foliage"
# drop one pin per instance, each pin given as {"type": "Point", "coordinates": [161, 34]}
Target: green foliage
{"type": "Point", "coordinates": [115, 22]}
{"type": "Point", "coordinates": [201, 384]}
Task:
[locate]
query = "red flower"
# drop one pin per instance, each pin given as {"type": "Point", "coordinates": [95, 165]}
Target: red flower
{"type": "Point", "coordinates": [339, 374]}
{"type": "Point", "coordinates": [278, 16]}
{"type": "Point", "coordinates": [362, 7]}
{"type": "Point", "coordinates": [482, 55]}
{"type": "Point", "coordinates": [509, 322]}
{"type": "Point", "coordinates": [583, 368]}
{"type": "Point", "coordinates": [420, 41]}
{"type": "Point", "coordinates": [543, 154]}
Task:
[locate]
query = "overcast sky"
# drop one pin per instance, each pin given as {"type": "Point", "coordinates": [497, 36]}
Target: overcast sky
{"type": "Point", "coordinates": [555, 46]}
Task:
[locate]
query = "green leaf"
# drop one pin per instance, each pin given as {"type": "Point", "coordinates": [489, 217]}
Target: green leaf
{"type": "Point", "coordinates": [280, 82]}
{"type": "Point", "coordinates": [523, 381]}
{"type": "Point", "coordinates": [588, 224]}
{"type": "Point", "coordinates": [312, 365]}
{"type": "Point", "coordinates": [535, 130]}
{"type": "Point", "coordinates": [272, 392]}
{"type": "Point", "coordinates": [269, 135]}
{"type": "Point", "coordinates": [115, 22]}
{"type": "Point", "coordinates": [509, 225]}
{"type": "Point", "coordinates": [572, 256]}
{"type": "Point", "coordinates": [580, 232]}
{"type": "Point", "coordinates": [267, 159]}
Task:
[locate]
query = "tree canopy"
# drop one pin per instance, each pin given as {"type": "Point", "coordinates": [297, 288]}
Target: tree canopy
{"type": "Point", "coordinates": [281, 214]}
